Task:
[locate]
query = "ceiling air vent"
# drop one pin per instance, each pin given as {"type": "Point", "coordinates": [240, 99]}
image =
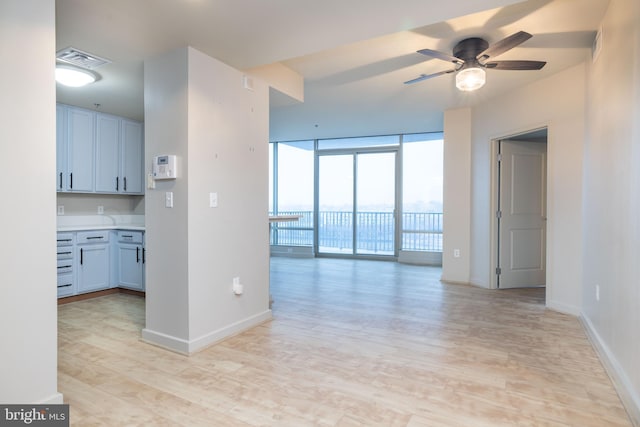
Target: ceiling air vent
{"type": "Point", "coordinates": [74, 56]}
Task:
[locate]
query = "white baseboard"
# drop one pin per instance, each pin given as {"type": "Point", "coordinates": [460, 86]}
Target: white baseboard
{"type": "Point", "coordinates": [420, 258]}
{"type": "Point", "coordinates": [55, 399]}
{"type": "Point", "coordinates": [188, 347]}
{"type": "Point", "coordinates": [563, 308]}
{"type": "Point", "coordinates": [228, 331]}
{"type": "Point", "coordinates": [165, 341]}
{"type": "Point", "coordinates": [629, 397]}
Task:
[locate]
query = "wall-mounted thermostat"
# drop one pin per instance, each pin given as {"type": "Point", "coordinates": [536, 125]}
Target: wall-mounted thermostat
{"type": "Point", "coordinates": [164, 167]}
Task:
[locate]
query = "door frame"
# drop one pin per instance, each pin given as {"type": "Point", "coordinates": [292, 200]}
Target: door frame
{"type": "Point", "coordinates": [495, 203]}
{"type": "Point", "coordinates": [397, 202]}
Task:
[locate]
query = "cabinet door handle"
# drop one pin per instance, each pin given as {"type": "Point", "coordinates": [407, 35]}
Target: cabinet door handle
{"type": "Point", "coordinates": [125, 183]}
{"type": "Point", "coordinates": [137, 254]}
{"type": "Point", "coordinates": [71, 180]}
{"type": "Point", "coordinates": [61, 180]}
{"type": "Point", "coordinates": [81, 250]}
{"type": "Point", "coordinates": [144, 255]}
{"type": "Point", "coordinates": [117, 182]}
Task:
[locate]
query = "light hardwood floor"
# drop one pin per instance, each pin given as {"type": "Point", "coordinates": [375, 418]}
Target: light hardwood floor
{"type": "Point", "coordinates": [352, 343]}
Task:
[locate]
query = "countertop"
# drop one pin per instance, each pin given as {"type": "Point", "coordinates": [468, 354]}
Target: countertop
{"type": "Point", "coordinates": [100, 222]}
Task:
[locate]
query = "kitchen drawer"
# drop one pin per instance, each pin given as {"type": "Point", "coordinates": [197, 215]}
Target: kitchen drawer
{"type": "Point", "coordinates": [65, 266]}
{"type": "Point", "coordinates": [92, 236]}
{"type": "Point", "coordinates": [65, 252]}
{"type": "Point", "coordinates": [65, 239]}
{"type": "Point", "coordinates": [65, 285]}
{"type": "Point", "coordinates": [130, 237]}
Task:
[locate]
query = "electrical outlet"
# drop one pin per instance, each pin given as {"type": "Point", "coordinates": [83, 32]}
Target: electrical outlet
{"type": "Point", "coordinates": [456, 253]}
{"type": "Point", "coordinates": [61, 210]}
{"type": "Point", "coordinates": [100, 210]}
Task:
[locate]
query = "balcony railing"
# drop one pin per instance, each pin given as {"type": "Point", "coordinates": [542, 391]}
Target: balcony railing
{"type": "Point", "coordinates": [421, 231]}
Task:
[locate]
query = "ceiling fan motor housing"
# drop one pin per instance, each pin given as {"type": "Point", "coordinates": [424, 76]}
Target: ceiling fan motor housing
{"type": "Point", "coordinates": [468, 49]}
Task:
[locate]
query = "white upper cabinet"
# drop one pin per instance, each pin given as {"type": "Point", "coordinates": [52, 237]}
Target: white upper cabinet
{"type": "Point", "coordinates": [98, 152]}
{"type": "Point", "coordinates": [61, 148]}
{"type": "Point", "coordinates": [80, 150]}
{"type": "Point", "coordinates": [131, 157]}
{"type": "Point", "coordinates": [107, 153]}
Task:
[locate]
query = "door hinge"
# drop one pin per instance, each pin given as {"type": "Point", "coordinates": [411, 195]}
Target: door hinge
{"type": "Point", "coordinates": [498, 214]}
{"type": "Point", "coordinates": [499, 157]}
{"type": "Point", "coordinates": [498, 271]}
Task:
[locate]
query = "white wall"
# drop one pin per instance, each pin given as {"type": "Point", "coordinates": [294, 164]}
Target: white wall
{"type": "Point", "coordinates": [113, 204]}
{"type": "Point", "coordinates": [28, 308]}
{"type": "Point", "coordinates": [457, 195]}
{"type": "Point", "coordinates": [198, 109]}
{"type": "Point", "coordinates": [612, 201]}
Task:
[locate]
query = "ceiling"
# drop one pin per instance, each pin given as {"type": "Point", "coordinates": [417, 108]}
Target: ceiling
{"type": "Point", "coordinates": [354, 56]}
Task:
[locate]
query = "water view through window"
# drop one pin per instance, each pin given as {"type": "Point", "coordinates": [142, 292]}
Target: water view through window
{"type": "Point", "coordinates": [361, 207]}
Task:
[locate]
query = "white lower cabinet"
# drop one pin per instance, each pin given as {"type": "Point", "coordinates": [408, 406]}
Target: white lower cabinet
{"type": "Point", "coordinates": [130, 258]}
{"type": "Point", "coordinates": [91, 261]}
{"type": "Point", "coordinates": [65, 280]}
{"type": "Point", "coordinates": [92, 253]}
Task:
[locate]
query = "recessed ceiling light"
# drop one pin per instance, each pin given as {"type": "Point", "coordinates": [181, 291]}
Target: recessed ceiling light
{"type": "Point", "coordinates": [74, 77]}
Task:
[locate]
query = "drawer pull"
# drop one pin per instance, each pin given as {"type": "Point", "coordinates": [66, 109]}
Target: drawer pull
{"type": "Point", "coordinates": [64, 240]}
{"type": "Point", "coordinates": [95, 237]}
{"type": "Point", "coordinates": [64, 253]}
{"type": "Point", "coordinates": [64, 266]}
{"type": "Point", "coordinates": [64, 286]}
{"type": "Point", "coordinates": [128, 236]}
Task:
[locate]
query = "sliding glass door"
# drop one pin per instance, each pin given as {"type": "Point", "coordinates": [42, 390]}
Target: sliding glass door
{"type": "Point", "coordinates": [357, 203]}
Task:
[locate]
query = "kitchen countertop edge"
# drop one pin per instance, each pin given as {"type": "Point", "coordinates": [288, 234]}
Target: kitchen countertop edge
{"type": "Point", "coordinates": [89, 227]}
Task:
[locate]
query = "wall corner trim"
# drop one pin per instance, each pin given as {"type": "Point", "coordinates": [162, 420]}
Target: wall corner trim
{"type": "Point", "coordinates": [187, 347]}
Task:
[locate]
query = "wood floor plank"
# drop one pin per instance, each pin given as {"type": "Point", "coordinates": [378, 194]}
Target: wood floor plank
{"type": "Point", "coordinates": [351, 343]}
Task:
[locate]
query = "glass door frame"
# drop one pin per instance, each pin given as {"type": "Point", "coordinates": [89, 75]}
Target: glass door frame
{"type": "Point", "coordinates": [397, 217]}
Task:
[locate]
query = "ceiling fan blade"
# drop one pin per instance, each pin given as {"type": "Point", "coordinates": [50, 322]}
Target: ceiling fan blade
{"type": "Point", "coordinates": [504, 45]}
{"type": "Point", "coordinates": [427, 76]}
{"type": "Point", "coordinates": [442, 56]}
{"type": "Point", "coordinates": [515, 65]}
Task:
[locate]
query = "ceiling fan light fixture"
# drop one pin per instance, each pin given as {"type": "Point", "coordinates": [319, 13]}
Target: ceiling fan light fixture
{"type": "Point", "coordinates": [470, 79]}
{"type": "Point", "coordinates": [73, 77]}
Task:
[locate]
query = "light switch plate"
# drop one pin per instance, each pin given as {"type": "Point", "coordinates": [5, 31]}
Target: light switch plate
{"type": "Point", "coordinates": [168, 199]}
{"type": "Point", "coordinates": [213, 200]}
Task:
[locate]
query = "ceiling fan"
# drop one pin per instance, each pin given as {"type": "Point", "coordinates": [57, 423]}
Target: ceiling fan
{"type": "Point", "coordinates": [471, 56]}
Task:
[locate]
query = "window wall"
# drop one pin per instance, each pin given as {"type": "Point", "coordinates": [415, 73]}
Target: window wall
{"type": "Point", "coordinates": [422, 158]}
{"type": "Point", "coordinates": [411, 213]}
{"type": "Point", "coordinates": [291, 190]}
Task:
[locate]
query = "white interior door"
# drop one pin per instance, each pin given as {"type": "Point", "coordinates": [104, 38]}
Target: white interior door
{"type": "Point", "coordinates": [522, 213]}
